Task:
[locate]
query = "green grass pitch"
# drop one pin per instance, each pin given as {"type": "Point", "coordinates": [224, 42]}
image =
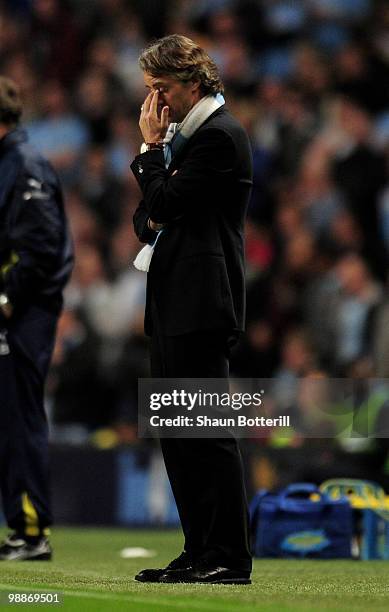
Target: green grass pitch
{"type": "Point", "coordinates": [90, 575]}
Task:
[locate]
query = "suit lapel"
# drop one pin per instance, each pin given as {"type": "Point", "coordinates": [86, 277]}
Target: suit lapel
{"type": "Point", "coordinates": [174, 164]}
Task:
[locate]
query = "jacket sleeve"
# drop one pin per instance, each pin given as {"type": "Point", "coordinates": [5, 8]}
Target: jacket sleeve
{"type": "Point", "coordinates": [209, 162]}
{"type": "Point", "coordinates": [142, 230]}
{"type": "Point", "coordinates": [36, 237]}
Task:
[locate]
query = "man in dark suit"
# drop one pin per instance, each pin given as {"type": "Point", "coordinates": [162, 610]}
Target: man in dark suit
{"type": "Point", "coordinates": [195, 177]}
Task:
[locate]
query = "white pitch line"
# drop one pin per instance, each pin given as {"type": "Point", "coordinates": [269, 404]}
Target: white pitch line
{"type": "Point", "coordinates": [193, 605]}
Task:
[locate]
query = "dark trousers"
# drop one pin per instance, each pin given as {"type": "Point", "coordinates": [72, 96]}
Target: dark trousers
{"type": "Point", "coordinates": [206, 475]}
{"type": "Point", "coordinates": [23, 426]}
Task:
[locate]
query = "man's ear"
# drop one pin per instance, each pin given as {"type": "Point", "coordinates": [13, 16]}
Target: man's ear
{"type": "Point", "coordinates": [195, 86]}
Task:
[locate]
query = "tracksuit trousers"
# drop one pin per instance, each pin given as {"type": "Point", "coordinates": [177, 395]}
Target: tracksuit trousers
{"type": "Point", "coordinates": [26, 346]}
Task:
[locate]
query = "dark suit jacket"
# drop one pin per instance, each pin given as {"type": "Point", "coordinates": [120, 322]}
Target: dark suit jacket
{"type": "Point", "coordinates": [196, 276]}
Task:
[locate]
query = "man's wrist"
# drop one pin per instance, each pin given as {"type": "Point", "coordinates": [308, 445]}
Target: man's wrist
{"type": "Point", "coordinates": [150, 146]}
{"type": "Point", "coordinates": [5, 306]}
{"type": "Point", "coordinates": [156, 227]}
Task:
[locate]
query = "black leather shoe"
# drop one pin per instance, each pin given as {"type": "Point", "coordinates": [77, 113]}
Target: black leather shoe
{"type": "Point", "coordinates": [182, 562]}
{"type": "Point", "coordinates": [208, 575]}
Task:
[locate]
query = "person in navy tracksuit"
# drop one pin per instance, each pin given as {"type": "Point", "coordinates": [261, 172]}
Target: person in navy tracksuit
{"type": "Point", "coordinates": [36, 260]}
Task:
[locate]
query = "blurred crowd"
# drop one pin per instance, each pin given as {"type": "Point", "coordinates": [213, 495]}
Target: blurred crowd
{"type": "Point", "coordinates": [309, 80]}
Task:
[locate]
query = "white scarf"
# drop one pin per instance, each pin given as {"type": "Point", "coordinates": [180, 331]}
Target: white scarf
{"type": "Point", "coordinates": [176, 137]}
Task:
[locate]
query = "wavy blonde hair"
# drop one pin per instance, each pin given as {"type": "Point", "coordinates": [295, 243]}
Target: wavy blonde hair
{"type": "Point", "coordinates": [181, 58]}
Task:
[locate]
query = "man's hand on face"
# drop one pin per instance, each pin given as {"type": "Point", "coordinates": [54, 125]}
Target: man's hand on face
{"type": "Point", "coordinates": [153, 128]}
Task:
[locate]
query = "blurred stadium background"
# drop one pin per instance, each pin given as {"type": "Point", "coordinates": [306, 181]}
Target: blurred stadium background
{"type": "Point", "coordinates": [309, 79]}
